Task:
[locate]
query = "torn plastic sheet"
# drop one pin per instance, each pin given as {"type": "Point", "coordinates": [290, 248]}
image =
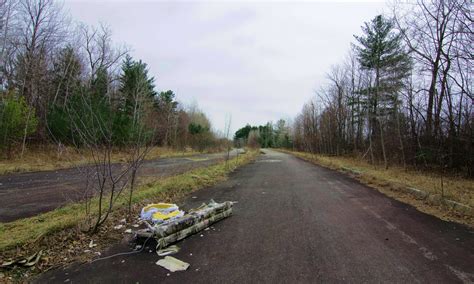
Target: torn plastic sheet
{"type": "Point", "coordinates": [25, 262]}
{"type": "Point", "coordinates": [167, 251]}
{"type": "Point", "coordinates": [172, 264]}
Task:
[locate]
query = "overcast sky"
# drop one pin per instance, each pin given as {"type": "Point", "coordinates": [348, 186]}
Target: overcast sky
{"type": "Point", "coordinates": [254, 61]}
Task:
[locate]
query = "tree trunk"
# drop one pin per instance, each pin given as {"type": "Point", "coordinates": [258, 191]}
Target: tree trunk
{"type": "Point", "coordinates": [383, 146]}
{"type": "Point", "coordinates": [25, 132]}
{"type": "Point", "coordinates": [400, 139]}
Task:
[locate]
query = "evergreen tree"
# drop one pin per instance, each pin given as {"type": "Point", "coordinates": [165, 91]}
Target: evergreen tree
{"type": "Point", "coordinates": [381, 53]}
{"type": "Point", "coordinates": [100, 84]}
{"type": "Point", "coordinates": [243, 133]}
{"type": "Point", "coordinates": [282, 138]}
{"type": "Point", "coordinates": [167, 108]}
{"type": "Point", "coordinates": [167, 100]}
{"type": "Point", "coordinates": [136, 95]}
{"type": "Point", "coordinates": [266, 138]}
{"type": "Point", "coordinates": [135, 85]}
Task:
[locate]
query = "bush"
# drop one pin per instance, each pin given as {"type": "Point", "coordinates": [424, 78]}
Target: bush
{"type": "Point", "coordinates": [85, 119]}
{"type": "Point", "coordinates": [16, 120]}
{"type": "Point", "coordinates": [91, 119]}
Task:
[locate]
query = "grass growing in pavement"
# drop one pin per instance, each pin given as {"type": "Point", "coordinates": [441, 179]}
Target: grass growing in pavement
{"type": "Point", "coordinates": [29, 230]}
{"type": "Point", "coordinates": [50, 157]}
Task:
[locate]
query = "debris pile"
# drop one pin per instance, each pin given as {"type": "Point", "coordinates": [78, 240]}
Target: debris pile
{"type": "Point", "coordinates": [167, 224]}
{"type": "Point", "coordinates": [172, 229]}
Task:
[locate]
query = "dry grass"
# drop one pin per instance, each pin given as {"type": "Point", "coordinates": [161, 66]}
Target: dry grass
{"type": "Point", "coordinates": [27, 231]}
{"type": "Point", "coordinates": [57, 233]}
{"type": "Point", "coordinates": [392, 181]}
{"type": "Point", "coordinates": [455, 188]}
{"type": "Point", "coordinates": [46, 158]}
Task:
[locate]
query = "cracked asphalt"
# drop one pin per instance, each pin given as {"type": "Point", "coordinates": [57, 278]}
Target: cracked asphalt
{"type": "Point", "coordinates": [295, 222]}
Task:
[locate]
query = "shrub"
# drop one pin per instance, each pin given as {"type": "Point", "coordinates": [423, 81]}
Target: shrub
{"type": "Point", "coordinates": [16, 120]}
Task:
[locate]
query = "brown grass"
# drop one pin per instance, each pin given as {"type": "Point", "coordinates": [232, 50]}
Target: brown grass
{"type": "Point", "coordinates": [57, 233]}
{"type": "Point", "coordinates": [388, 181]}
{"type": "Point", "coordinates": [49, 157]}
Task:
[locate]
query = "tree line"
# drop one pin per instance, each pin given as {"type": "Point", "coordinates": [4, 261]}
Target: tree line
{"type": "Point", "coordinates": [70, 84]}
{"type": "Point", "coordinates": [403, 95]}
{"type": "Point", "coordinates": [276, 135]}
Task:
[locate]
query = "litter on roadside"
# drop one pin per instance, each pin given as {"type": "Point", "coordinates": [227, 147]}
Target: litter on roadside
{"type": "Point", "coordinates": [25, 262]}
{"type": "Point", "coordinates": [161, 212]}
{"type": "Point", "coordinates": [167, 251]}
{"type": "Point", "coordinates": [176, 228]}
{"type": "Point", "coordinates": [172, 264]}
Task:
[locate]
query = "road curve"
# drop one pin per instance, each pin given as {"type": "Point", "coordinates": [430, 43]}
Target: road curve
{"type": "Point", "coordinates": [299, 223]}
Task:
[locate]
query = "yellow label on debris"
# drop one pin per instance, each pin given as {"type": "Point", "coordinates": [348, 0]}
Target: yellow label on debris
{"type": "Point", "coordinates": [165, 216]}
{"type": "Point", "coordinates": [160, 206]}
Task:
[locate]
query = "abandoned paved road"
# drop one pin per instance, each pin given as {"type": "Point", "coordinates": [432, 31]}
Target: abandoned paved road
{"type": "Point", "coordinates": [28, 194]}
{"type": "Point", "coordinates": [299, 223]}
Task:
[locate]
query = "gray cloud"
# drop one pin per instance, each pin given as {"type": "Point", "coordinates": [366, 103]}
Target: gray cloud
{"type": "Point", "coordinates": [256, 61]}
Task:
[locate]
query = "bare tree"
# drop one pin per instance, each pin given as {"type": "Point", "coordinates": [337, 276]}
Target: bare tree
{"type": "Point", "coordinates": [8, 30]}
{"type": "Point", "coordinates": [429, 31]}
{"type": "Point", "coordinates": [228, 123]}
{"type": "Point", "coordinates": [99, 50]}
{"type": "Point", "coordinates": [40, 32]}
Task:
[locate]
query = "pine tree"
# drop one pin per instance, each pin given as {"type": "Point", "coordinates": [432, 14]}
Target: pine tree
{"type": "Point", "coordinates": [167, 107]}
{"type": "Point", "coordinates": [381, 53]}
{"type": "Point", "coordinates": [136, 95]}
{"type": "Point", "coordinates": [135, 84]}
{"type": "Point", "coordinates": [100, 83]}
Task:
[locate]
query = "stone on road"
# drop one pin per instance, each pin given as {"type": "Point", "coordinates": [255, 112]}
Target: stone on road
{"type": "Point", "coordinates": [297, 222]}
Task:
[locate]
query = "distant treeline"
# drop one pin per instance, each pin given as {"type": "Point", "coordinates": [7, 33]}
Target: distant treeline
{"type": "Point", "coordinates": [269, 135]}
{"type": "Point", "coordinates": [63, 82]}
